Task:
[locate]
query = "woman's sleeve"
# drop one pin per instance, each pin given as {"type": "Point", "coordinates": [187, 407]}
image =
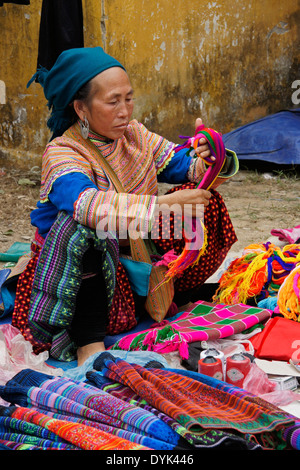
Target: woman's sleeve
{"type": "Point", "coordinates": [171, 167]}
{"type": "Point", "coordinates": [66, 190]}
{"type": "Point", "coordinates": [178, 168]}
{"type": "Point", "coordinates": [175, 166]}
{"type": "Point", "coordinates": [76, 194]}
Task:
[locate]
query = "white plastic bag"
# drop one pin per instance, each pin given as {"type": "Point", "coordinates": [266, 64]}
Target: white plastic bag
{"type": "Point", "coordinates": [16, 354]}
{"type": "Point", "coordinates": [233, 344]}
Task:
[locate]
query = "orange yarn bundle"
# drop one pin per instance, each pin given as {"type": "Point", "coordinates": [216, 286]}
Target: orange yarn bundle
{"type": "Point", "coordinates": [245, 276]}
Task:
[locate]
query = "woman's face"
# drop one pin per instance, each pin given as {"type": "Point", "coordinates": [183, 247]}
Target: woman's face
{"type": "Point", "coordinates": [110, 104]}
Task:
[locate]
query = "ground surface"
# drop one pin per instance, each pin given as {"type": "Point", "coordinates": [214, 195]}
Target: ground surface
{"type": "Point", "coordinates": [257, 201]}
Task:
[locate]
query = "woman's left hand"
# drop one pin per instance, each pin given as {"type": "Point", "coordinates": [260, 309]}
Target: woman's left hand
{"type": "Point", "coordinates": [203, 151]}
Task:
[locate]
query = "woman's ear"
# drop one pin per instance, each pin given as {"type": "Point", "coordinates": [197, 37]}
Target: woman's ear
{"type": "Point", "coordinates": [79, 108]}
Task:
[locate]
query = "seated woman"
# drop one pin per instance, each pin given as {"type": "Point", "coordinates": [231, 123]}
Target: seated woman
{"type": "Point", "coordinates": [74, 289]}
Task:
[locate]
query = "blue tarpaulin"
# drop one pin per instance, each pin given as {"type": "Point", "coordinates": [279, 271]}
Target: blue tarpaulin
{"type": "Point", "coordinates": [274, 139]}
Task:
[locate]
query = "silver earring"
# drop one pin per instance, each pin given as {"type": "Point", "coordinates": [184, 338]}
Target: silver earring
{"type": "Point", "coordinates": [84, 127]}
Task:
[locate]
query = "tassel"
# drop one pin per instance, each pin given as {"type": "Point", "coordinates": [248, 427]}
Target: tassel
{"type": "Point", "coordinates": [39, 76]}
{"type": "Point", "coordinates": [150, 338]}
{"type": "Point", "coordinates": [59, 122]}
{"type": "Point", "coordinates": [186, 259]}
{"type": "Point", "coordinates": [183, 350]}
{"type": "Point", "coordinates": [244, 278]}
{"type": "Point", "coordinates": [190, 257]}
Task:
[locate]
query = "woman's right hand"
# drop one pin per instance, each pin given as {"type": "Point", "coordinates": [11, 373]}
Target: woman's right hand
{"type": "Point", "coordinates": [187, 201]}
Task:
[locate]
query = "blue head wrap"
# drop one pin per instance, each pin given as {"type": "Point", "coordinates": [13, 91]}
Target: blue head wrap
{"type": "Point", "coordinates": [72, 69]}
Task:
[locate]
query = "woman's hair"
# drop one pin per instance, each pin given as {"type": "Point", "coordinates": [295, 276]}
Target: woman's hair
{"type": "Point", "coordinates": [83, 94]}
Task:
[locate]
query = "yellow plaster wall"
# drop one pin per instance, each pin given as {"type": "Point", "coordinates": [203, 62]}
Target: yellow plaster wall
{"type": "Point", "coordinates": [228, 62]}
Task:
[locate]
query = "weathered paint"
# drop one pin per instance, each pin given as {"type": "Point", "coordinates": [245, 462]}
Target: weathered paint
{"type": "Point", "coordinates": [22, 117]}
{"type": "Point", "coordinates": [2, 92]}
{"type": "Point", "coordinates": [227, 62]}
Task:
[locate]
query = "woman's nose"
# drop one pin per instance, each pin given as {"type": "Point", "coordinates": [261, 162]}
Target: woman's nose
{"type": "Point", "coordinates": [123, 110]}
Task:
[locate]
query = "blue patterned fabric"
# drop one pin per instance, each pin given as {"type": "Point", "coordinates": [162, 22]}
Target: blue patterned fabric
{"type": "Point", "coordinates": [57, 280]}
{"type": "Point", "coordinates": [62, 398]}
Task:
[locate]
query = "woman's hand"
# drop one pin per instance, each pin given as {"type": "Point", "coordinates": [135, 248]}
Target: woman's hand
{"type": "Point", "coordinates": [203, 150]}
{"type": "Point", "coordinates": [186, 201]}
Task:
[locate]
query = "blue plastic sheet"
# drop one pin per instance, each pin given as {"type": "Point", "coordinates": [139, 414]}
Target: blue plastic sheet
{"type": "Point", "coordinates": [274, 139]}
{"type": "Point", "coordinates": [15, 251]}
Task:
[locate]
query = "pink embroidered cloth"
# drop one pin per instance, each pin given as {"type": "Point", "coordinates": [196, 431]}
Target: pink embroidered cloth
{"type": "Point", "coordinates": [203, 321]}
{"type": "Point", "coordinates": [289, 235]}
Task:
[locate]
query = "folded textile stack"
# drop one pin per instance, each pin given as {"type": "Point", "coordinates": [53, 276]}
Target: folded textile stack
{"type": "Point", "coordinates": [128, 406]}
{"type": "Point", "coordinates": [202, 321]}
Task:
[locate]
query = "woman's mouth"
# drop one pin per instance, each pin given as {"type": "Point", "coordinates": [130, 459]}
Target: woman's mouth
{"type": "Point", "coordinates": [122, 126]}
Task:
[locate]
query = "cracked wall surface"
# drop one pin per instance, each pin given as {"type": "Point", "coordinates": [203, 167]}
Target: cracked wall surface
{"type": "Point", "coordinates": [227, 62]}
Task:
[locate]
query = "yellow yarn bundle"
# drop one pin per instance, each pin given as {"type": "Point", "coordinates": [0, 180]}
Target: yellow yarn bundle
{"type": "Point", "coordinates": [248, 275]}
{"type": "Point", "coordinates": [244, 277]}
{"type": "Point", "coordinates": [288, 296]}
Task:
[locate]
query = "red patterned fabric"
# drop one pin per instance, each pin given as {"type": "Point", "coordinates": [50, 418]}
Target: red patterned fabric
{"type": "Point", "coordinates": [220, 237]}
{"type": "Point", "coordinates": [22, 300]}
{"type": "Point", "coordinates": [82, 436]}
{"type": "Point", "coordinates": [122, 312]}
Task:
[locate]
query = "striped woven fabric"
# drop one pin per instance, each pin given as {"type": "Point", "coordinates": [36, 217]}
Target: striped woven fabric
{"type": "Point", "coordinates": [152, 408]}
{"type": "Point", "coordinates": [56, 282]}
{"type": "Point", "coordinates": [207, 438]}
{"type": "Point", "coordinates": [292, 435]}
{"type": "Point", "coordinates": [198, 405]}
{"type": "Point", "coordinates": [73, 435]}
{"type": "Point", "coordinates": [85, 404]}
{"type": "Point", "coordinates": [130, 418]}
{"type": "Point", "coordinates": [20, 434]}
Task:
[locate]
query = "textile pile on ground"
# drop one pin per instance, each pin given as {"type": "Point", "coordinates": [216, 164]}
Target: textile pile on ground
{"type": "Point", "coordinates": [124, 406]}
{"type": "Point", "coordinates": [145, 391]}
